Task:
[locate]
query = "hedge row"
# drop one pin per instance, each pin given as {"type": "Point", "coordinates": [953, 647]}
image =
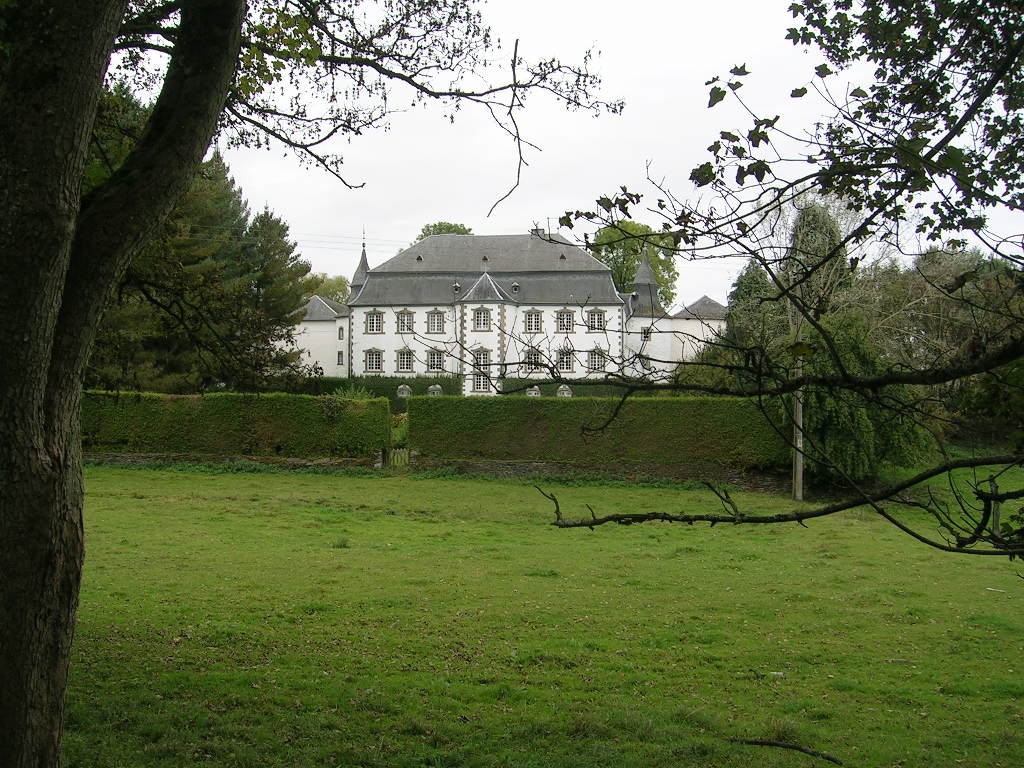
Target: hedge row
{"type": "Point", "coordinates": [729, 432]}
{"type": "Point", "coordinates": [230, 424]}
{"type": "Point", "coordinates": [377, 386]}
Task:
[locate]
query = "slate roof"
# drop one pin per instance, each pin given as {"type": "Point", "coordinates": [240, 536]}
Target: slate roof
{"type": "Point", "coordinates": [703, 308]}
{"type": "Point", "coordinates": [360, 276]}
{"type": "Point", "coordinates": [645, 301]}
{"type": "Point", "coordinates": [645, 273]}
{"type": "Point", "coordinates": [527, 269]}
{"type": "Point", "coordinates": [503, 253]}
{"type": "Point", "coordinates": [485, 289]}
{"type": "Point", "coordinates": [319, 308]}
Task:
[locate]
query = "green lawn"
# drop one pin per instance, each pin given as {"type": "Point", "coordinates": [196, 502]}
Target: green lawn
{"type": "Point", "coordinates": [344, 620]}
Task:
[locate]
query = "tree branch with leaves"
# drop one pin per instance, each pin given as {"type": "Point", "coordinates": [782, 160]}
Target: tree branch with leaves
{"type": "Point", "coordinates": [923, 107]}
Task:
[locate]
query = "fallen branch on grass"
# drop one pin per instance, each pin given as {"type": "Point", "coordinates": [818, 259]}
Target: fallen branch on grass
{"type": "Point", "coordinates": [785, 745]}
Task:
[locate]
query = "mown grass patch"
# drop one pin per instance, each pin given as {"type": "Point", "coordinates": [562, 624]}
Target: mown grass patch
{"type": "Point", "coordinates": [223, 623]}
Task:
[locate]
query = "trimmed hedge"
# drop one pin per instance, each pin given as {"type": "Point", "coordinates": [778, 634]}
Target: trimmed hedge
{"type": "Point", "coordinates": [229, 424]}
{"type": "Point", "coordinates": [725, 431]}
{"type": "Point", "coordinates": [378, 386]}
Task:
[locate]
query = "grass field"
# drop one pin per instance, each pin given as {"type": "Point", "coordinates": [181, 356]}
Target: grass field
{"type": "Point", "coordinates": [347, 620]}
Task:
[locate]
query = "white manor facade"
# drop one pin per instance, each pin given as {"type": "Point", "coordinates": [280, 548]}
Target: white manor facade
{"type": "Point", "coordinates": [488, 307]}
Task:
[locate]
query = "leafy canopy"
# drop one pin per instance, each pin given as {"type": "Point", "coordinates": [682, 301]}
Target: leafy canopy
{"type": "Point", "coordinates": [443, 228]}
{"type": "Point", "coordinates": [924, 107]}
{"type": "Point", "coordinates": [623, 245]}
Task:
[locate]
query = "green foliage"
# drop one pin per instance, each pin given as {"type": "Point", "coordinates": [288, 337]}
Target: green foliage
{"type": "Point", "coordinates": [400, 430]}
{"type": "Point", "coordinates": [352, 391]}
{"type": "Point", "coordinates": [853, 433]}
{"type": "Point", "coordinates": [769, 340]}
{"type": "Point", "coordinates": [726, 431]}
{"type": "Point", "coordinates": [754, 319]}
{"type": "Point", "coordinates": [993, 409]}
{"type": "Point", "coordinates": [443, 228]}
{"type": "Point", "coordinates": [814, 267]}
{"type": "Point", "coordinates": [334, 288]}
{"type": "Point", "coordinates": [212, 299]}
{"type": "Point", "coordinates": [623, 245]}
{"type": "Point", "coordinates": [230, 424]}
{"type": "Point", "coordinates": [936, 132]}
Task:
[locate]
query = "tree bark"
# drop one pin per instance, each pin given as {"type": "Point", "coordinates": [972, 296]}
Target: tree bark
{"type": "Point", "coordinates": [60, 259]}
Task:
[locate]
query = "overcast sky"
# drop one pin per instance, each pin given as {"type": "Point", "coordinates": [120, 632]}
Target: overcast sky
{"type": "Point", "coordinates": [654, 54]}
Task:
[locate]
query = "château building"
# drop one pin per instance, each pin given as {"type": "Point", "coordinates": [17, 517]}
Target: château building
{"type": "Point", "coordinates": [487, 307]}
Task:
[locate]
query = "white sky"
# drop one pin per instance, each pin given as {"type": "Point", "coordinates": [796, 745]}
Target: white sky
{"type": "Point", "coordinates": [655, 54]}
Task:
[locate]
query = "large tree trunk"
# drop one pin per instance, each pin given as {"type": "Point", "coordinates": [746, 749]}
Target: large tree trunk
{"type": "Point", "coordinates": [60, 259]}
{"type": "Point", "coordinates": [55, 64]}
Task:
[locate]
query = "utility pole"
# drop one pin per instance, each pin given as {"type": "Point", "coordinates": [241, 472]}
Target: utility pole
{"type": "Point", "coordinates": [798, 433]}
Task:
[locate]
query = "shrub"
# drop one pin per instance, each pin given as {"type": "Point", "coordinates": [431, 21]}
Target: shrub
{"type": "Point", "coordinates": [400, 430]}
{"type": "Point", "coordinates": [234, 424]}
{"type": "Point", "coordinates": [727, 431]}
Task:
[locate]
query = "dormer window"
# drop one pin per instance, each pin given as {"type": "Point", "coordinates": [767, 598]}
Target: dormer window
{"type": "Point", "coordinates": [515, 287]}
{"type": "Point", "coordinates": [456, 287]}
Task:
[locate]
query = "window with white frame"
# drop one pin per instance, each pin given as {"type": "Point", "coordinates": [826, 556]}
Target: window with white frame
{"type": "Point", "coordinates": [596, 360]}
{"type": "Point", "coordinates": [645, 333]}
{"type": "Point", "coordinates": [341, 358]}
{"type": "Point", "coordinates": [481, 319]}
{"type": "Point", "coordinates": [403, 361]}
{"type": "Point", "coordinates": [405, 322]}
{"type": "Point", "coordinates": [375, 322]}
{"type": "Point", "coordinates": [565, 321]}
{"type": "Point", "coordinates": [595, 320]}
{"type": "Point", "coordinates": [481, 363]}
{"type": "Point", "coordinates": [374, 361]}
{"type": "Point", "coordinates": [341, 333]}
{"type": "Point", "coordinates": [531, 360]}
{"type": "Point", "coordinates": [566, 360]}
{"type": "Point", "coordinates": [435, 322]}
{"type": "Point", "coordinates": [435, 360]}
{"type": "Point", "coordinates": [532, 321]}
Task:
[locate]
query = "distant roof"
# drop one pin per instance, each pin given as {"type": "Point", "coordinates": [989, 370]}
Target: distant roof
{"type": "Point", "coordinates": [319, 308]}
{"type": "Point", "coordinates": [562, 288]}
{"type": "Point", "coordinates": [360, 275]}
{"type": "Point", "coordinates": [703, 309]}
{"type": "Point", "coordinates": [491, 253]}
{"type": "Point", "coordinates": [527, 269]}
{"type": "Point", "coordinates": [644, 273]}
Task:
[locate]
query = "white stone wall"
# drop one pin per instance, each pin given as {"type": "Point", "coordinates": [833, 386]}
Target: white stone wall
{"type": "Point", "coordinates": [550, 340]}
{"type": "Point", "coordinates": [320, 344]}
{"type": "Point", "coordinates": [691, 336]}
{"type": "Point", "coordinates": [507, 341]}
{"type": "Point", "coordinates": [650, 346]}
{"type": "Point", "coordinates": [390, 341]}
